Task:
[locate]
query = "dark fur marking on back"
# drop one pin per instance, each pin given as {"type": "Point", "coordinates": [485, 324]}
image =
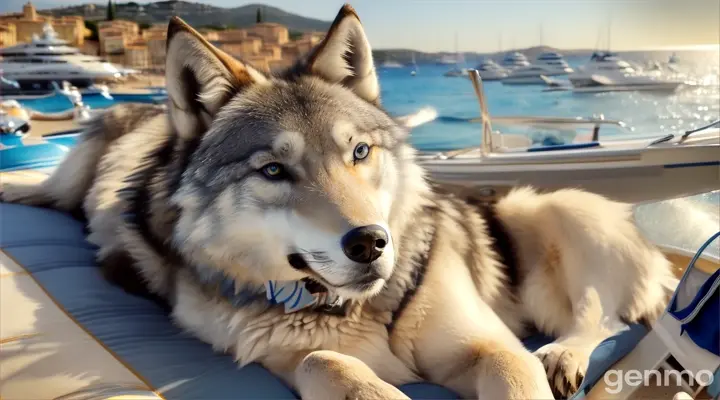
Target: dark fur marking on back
{"type": "Point", "coordinates": [79, 214]}
{"type": "Point", "coordinates": [139, 197]}
{"type": "Point", "coordinates": [417, 275]}
{"type": "Point", "coordinates": [465, 221]}
{"type": "Point", "coordinates": [503, 244]}
{"type": "Point", "coordinates": [643, 320]}
{"type": "Point", "coordinates": [118, 268]}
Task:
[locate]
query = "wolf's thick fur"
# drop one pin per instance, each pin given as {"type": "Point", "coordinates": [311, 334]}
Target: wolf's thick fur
{"type": "Point", "coordinates": [188, 192]}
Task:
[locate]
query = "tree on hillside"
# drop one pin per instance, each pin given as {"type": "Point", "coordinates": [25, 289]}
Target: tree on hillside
{"type": "Point", "coordinates": [110, 11]}
{"type": "Point", "coordinates": [294, 35]}
{"type": "Point", "coordinates": [214, 27]}
{"type": "Point", "coordinates": [258, 16]}
{"type": "Point", "coordinates": [92, 27]}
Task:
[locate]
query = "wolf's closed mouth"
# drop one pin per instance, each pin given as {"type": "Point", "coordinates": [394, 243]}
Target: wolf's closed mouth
{"type": "Point", "coordinates": [297, 261]}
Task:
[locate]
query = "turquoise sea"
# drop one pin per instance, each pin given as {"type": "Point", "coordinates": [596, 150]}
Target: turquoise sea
{"type": "Point", "coordinates": [645, 113]}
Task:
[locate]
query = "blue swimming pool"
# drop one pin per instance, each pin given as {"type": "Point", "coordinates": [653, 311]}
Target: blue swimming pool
{"type": "Point", "coordinates": [59, 103]}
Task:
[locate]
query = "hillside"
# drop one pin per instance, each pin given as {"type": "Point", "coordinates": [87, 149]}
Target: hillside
{"type": "Point", "coordinates": [404, 56]}
{"type": "Point", "coordinates": [195, 14]}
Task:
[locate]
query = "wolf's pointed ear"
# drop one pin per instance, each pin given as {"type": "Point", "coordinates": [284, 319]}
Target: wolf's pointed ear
{"type": "Point", "coordinates": [200, 78]}
{"type": "Point", "coordinates": [345, 57]}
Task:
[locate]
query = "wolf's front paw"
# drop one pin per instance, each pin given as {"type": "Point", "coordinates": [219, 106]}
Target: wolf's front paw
{"type": "Point", "coordinates": [334, 376]}
{"type": "Point", "coordinates": [13, 193]}
{"type": "Point", "coordinates": [565, 368]}
{"type": "Point", "coordinates": [375, 390]}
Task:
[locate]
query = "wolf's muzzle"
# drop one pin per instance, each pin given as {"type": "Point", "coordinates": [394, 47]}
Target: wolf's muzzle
{"type": "Point", "coordinates": [365, 244]}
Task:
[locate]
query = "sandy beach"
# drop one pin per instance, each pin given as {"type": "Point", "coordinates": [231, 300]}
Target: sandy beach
{"type": "Point", "coordinates": [138, 83]}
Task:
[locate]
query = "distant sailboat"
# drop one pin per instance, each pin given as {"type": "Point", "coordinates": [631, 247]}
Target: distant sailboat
{"type": "Point", "coordinates": [446, 60]}
{"type": "Point", "coordinates": [389, 63]}
{"type": "Point", "coordinates": [457, 71]}
{"type": "Point", "coordinates": [414, 70]}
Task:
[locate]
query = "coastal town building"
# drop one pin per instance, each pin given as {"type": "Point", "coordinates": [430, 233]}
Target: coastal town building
{"type": "Point", "coordinates": [115, 35]}
{"type": "Point", "coordinates": [264, 45]}
{"type": "Point", "coordinates": [137, 55]}
{"type": "Point", "coordinates": [29, 22]}
{"type": "Point", "coordinates": [269, 32]}
{"type": "Point", "coordinates": [8, 35]}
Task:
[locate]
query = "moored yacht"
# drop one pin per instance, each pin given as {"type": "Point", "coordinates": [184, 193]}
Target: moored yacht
{"type": "Point", "coordinates": [446, 60]}
{"type": "Point", "coordinates": [547, 64]}
{"type": "Point", "coordinates": [607, 72]}
{"type": "Point", "coordinates": [489, 70]}
{"type": "Point", "coordinates": [554, 62]}
{"type": "Point", "coordinates": [514, 60]}
{"type": "Point", "coordinates": [46, 59]}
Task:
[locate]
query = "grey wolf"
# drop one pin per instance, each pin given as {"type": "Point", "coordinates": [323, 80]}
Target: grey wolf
{"type": "Point", "coordinates": [250, 178]}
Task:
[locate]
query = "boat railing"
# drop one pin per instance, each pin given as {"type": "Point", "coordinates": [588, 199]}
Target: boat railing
{"type": "Point", "coordinates": [702, 128]}
{"type": "Point", "coordinates": [486, 146]}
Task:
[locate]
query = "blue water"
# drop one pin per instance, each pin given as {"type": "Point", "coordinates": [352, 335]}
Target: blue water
{"type": "Point", "coordinates": [59, 103]}
{"type": "Point", "coordinates": [454, 98]}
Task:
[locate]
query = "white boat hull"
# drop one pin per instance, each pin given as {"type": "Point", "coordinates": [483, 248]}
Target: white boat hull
{"type": "Point", "coordinates": [616, 82]}
{"type": "Point", "coordinates": [524, 80]}
{"type": "Point", "coordinates": [457, 73]}
{"type": "Point", "coordinates": [628, 171]}
{"type": "Point", "coordinates": [518, 77]}
{"type": "Point", "coordinates": [669, 87]}
{"type": "Point", "coordinates": [654, 87]}
{"type": "Point", "coordinates": [492, 75]}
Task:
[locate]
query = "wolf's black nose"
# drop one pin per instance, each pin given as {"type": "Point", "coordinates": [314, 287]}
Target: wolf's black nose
{"type": "Point", "coordinates": [365, 244]}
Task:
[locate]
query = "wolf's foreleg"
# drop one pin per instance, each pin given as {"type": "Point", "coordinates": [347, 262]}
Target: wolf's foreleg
{"type": "Point", "coordinates": [330, 375]}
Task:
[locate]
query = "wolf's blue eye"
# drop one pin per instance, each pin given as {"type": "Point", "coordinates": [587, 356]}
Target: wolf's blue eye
{"type": "Point", "coordinates": [361, 151]}
{"type": "Point", "coordinates": [273, 171]}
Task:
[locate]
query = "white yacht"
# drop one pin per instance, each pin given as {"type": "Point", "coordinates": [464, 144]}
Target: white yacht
{"type": "Point", "coordinates": [489, 70]}
{"type": "Point", "coordinates": [391, 64]}
{"type": "Point", "coordinates": [459, 69]}
{"type": "Point", "coordinates": [514, 60]}
{"type": "Point", "coordinates": [48, 59]}
{"type": "Point", "coordinates": [607, 72]}
{"type": "Point", "coordinates": [446, 60]}
{"type": "Point", "coordinates": [547, 64]}
{"type": "Point", "coordinates": [554, 62]}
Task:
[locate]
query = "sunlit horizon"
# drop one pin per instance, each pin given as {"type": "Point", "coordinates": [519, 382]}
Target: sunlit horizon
{"type": "Point", "coordinates": [690, 47]}
{"type": "Point", "coordinates": [487, 26]}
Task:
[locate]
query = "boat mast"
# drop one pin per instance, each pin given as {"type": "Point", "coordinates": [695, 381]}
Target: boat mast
{"type": "Point", "coordinates": [457, 53]}
{"type": "Point", "coordinates": [609, 25]}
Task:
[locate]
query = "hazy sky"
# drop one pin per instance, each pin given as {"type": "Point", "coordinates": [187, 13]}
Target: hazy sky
{"type": "Point", "coordinates": [431, 25]}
